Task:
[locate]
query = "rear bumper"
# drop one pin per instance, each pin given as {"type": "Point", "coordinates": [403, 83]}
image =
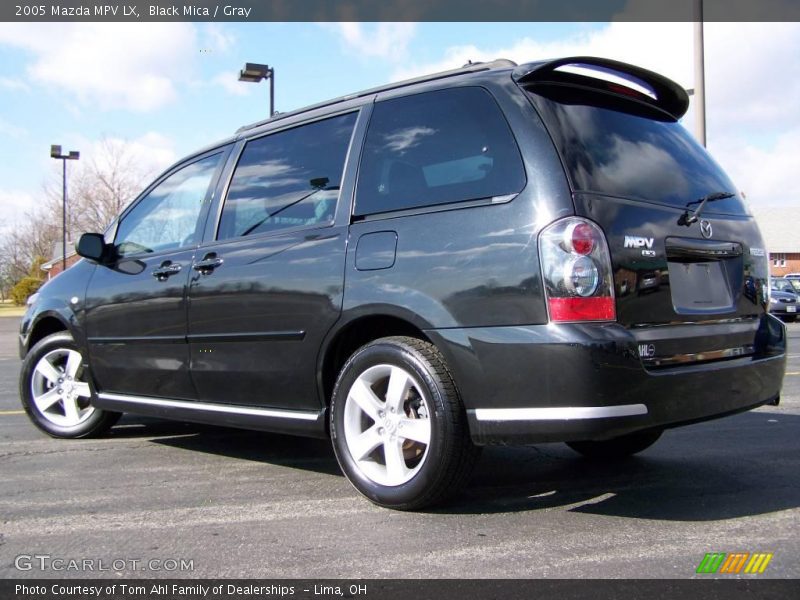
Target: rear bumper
{"type": "Point", "coordinates": [550, 383]}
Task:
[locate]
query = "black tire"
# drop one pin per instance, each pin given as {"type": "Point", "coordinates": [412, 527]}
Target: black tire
{"type": "Point", "coordinates": [619, 447]}
{"type": "Point", "coordinates": [94, 422]}
{"type": "Point", "coordinates": [446, 461]}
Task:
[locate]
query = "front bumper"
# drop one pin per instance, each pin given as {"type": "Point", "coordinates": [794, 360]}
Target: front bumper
{"type": "Point", "coordinates": [553, 383]}
{"type": "Point", "coordinates": [784, 310]}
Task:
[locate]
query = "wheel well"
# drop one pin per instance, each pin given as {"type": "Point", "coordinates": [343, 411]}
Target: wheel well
{"type": "Point", "coordinates": [45, 327]}
{"type": "Point", "coordinates": [356, 334]}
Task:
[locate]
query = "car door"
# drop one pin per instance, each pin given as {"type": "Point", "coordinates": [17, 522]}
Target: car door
{"type": "Point", "coordinates": [136, 304]}
{"type": "Point", "coordinates": [268, 285]}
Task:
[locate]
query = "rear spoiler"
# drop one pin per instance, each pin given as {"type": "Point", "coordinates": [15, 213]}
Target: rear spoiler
{"type": "Point", "coordinates": [668, 95]}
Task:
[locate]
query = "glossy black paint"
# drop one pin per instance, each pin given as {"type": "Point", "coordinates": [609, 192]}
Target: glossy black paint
{"type": "Point", "coordinates": [598, 365]}
{"type": "Point", "coordinates": [286, 289]}
{"type": "Point", "coordinates": [136, 326]}
{"type": "Point", "coordinates": [91, 246]}
{"type": "Point", "coordinates": [254, 326]}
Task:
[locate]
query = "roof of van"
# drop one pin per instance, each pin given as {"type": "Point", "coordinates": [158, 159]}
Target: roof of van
{"type": "Point", "coordinates": [666, 95]}
{"type": "Point", "coordinates": [499, 64]}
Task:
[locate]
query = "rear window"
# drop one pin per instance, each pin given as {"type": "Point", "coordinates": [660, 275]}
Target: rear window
{"type": "Point", "coordinates": [437, 148]}
{"type": "Point", "coordinates": [621, 149]}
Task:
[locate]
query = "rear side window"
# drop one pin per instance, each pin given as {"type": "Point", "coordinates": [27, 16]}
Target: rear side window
{"type": "Point", "coordinates": [620, 150]}
{"type": "Point", "coordinates": [288, 179]}
{"type": "Point", "coordinates": [436, 148]}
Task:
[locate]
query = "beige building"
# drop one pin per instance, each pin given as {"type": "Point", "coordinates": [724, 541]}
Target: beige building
{"type": "Point", "coordinates": [780, 226]}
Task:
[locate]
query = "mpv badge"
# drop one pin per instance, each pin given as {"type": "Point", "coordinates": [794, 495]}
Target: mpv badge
{"type": "Point", "coordinates": [635, 241]}
{"type": "Point", "coordinates": [705, 229]}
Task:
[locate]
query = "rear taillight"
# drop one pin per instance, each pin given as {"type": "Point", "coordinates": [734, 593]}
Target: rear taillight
{"type": "Point", "coordinates": [576, 267]}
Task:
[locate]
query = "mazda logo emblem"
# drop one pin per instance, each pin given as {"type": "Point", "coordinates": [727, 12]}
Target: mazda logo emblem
{"type": "Point", "coordinates": [705, 229]}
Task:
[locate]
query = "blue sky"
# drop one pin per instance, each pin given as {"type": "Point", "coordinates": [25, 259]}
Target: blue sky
{"type": "Point", "coordinates": [166, 89]}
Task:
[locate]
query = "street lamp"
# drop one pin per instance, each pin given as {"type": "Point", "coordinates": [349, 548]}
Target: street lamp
{"type": "Point", "coordinates": [55, 152]}
{"type": "Point", "coordinates": [254, 72]}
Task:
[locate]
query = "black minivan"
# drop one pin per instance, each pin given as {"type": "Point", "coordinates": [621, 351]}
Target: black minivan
{"type": "Point", "coordinates": [421, 269]}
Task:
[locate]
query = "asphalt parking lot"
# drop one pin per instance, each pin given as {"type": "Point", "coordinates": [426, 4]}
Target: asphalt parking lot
{"type": "Point", "coordinates": [244, 504]}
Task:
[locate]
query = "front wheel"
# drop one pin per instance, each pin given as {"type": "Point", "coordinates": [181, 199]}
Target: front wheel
{"type": "Point", "coordinates": [398, 427]}
{"type": "Point", "coordinates": [54, 389]}
{"type": "Point", "coordinates": [619, 447]}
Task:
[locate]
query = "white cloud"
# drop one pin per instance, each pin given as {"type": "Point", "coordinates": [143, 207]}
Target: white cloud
{"type": "Point", "coordinates": [764, 172]}
{"type": "Point", "coordinates": [751, 78]}
{"type": "Point", "coordinates": [12, 84]}
{"type": "Point", "coordinates": [217, 39]}
{"type": "Point", "coordinates": [14, 205]}
{"type": "Point", "coordinates": [662, 47]}
{"type": "Point", "coordinates": [231, 84]}
{"type": "Point", "coordinates": [108, 65]}
{"type": "Point", "coordinates": [381, 40]}
{"type": "Point", "coordinates": [151, 153]}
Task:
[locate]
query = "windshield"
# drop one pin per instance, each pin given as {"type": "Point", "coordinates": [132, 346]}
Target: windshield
{"type": "Point", "coordinates": [623, 149]}
{"type": "Point", "coordinates": [782, 285]}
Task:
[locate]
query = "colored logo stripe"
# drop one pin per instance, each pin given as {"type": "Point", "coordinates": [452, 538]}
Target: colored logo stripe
{"type": "Point", "coordinates": [711, 562]}
{"type": "Point", "coordinates": [733, 563]}
{"type": "Point", "coordinates": [759, 562]}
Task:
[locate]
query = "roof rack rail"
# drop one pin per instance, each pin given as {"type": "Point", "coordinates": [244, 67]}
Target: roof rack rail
{"type": "Point", "coordinates": [669, 96]}
{"type": "Point", "coordinates": [500, 63]}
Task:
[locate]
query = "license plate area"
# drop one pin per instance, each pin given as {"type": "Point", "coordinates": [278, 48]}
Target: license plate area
{"type": "Point", "coordinates": [791, 309]}
{"type": "Point", "coordinates": [700, 287]}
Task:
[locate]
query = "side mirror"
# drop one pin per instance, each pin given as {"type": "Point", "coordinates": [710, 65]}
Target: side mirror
{"type": "Point", "coordinates": [92, 246]}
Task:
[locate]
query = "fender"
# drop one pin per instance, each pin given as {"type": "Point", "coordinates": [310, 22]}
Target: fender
{"type": "Point", "coordinates": [64, 302]}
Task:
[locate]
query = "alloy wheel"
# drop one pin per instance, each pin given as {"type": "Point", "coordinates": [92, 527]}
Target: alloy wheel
{"type": "Point", "coordinates": [387, 425]}
{"type": "Point", "coordinates": [59, 390]}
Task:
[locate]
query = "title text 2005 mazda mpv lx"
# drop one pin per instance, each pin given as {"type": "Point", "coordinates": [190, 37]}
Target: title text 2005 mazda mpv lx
{"type": "Point", "coordinates": [422, 269]}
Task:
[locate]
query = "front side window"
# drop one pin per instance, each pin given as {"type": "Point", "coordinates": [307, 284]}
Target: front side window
{"type": "Point", "coordinates": [288, 179]}
{"type": "Point", "coordinates": [437, 148]}
{"type": "Point", "coordinates": [166, 218]}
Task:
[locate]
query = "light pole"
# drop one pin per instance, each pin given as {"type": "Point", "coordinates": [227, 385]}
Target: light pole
{"type": "Point", "coordinates": [699, 75]}
{"type": "Point", "coordinates": [55, 152]}
{"type": "Point", "coordinates": [254, 72]}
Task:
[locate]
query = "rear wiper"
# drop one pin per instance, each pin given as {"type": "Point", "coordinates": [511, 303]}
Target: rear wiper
{"type": "Point", "coordinates": [687, 219]}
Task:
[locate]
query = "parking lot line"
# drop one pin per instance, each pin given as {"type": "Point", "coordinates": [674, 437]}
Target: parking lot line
{"type": "Point", "coordinates": [12, 412]}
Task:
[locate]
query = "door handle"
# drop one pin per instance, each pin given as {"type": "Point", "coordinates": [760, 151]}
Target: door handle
{"type": "Point", "coordinates": [208, 264]}
{"type": "Point", "coordinates": [166, 270]}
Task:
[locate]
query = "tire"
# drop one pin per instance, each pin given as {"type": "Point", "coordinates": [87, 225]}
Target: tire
{"type": "Point", "coordinates": [368, 429]}
{"type": "Point", "coordinates": [619, 447]}
{"type": "Point", "coordinates": [55, 392]}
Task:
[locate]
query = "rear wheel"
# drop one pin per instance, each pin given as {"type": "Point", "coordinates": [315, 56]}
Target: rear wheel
{"type": "Point", "coordinates": [54, 389]}
{"type": "Point", "coordinates": [618, 447]}
{"type": "Point", "coordinates": [398, 426]}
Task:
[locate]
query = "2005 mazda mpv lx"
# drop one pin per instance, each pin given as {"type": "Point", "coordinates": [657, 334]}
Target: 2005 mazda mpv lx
{"type": "Point", "coordinates": [496, 254]}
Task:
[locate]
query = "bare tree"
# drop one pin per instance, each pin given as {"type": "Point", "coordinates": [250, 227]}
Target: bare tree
{"type": "Point", "coordinates": [29, 244]}
{"type": "Point", "coordinates": [99, 188]}
{"type": "Point", "coordinates": [106, 184]}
